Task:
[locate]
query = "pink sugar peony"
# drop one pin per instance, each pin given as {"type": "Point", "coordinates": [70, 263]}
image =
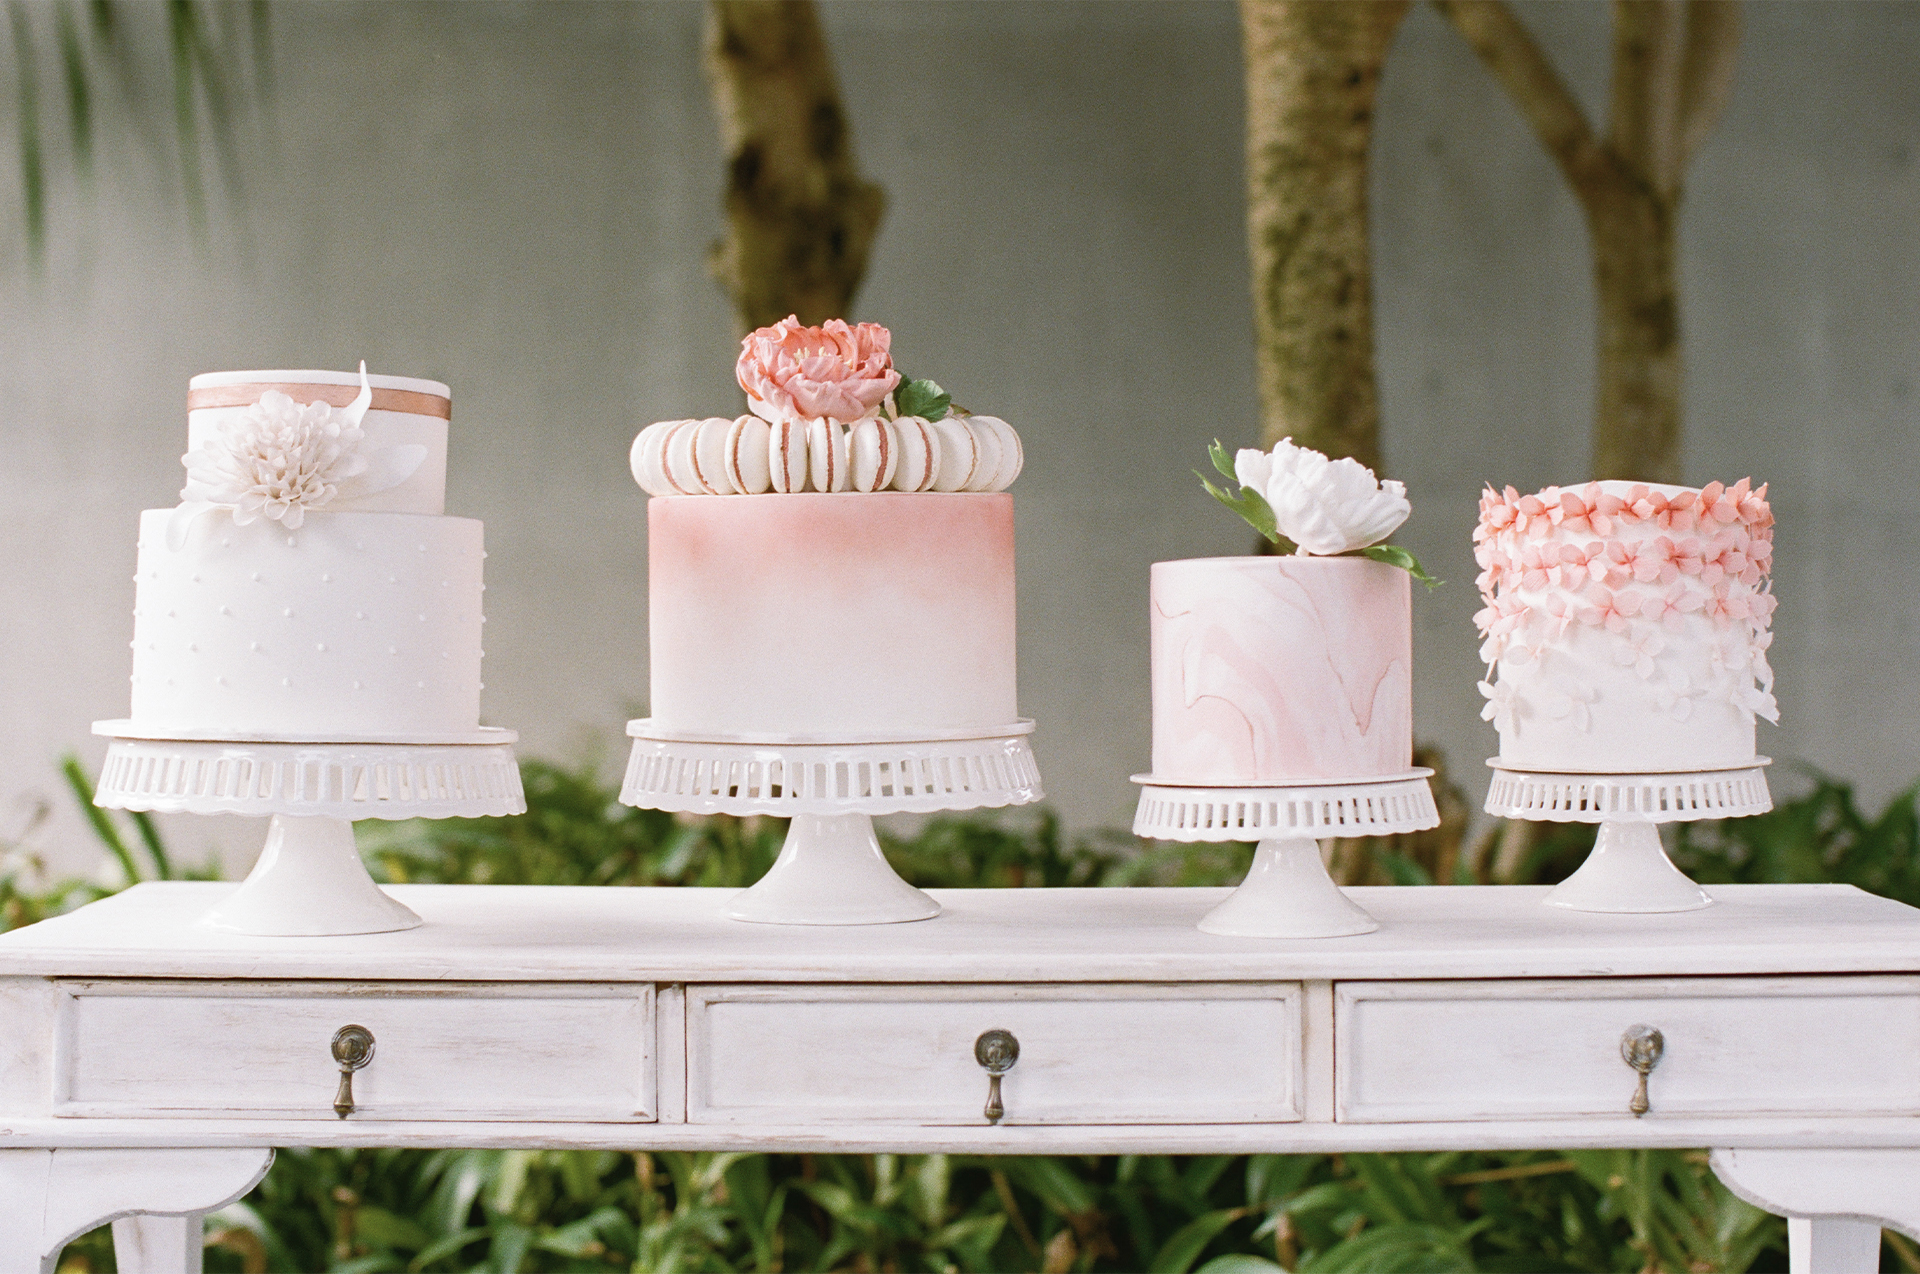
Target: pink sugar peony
{"type": "Point", "coordinates": [831, 372]}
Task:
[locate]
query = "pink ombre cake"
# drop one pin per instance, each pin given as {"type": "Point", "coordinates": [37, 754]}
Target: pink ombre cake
{"type": "Point", "coordinates": [839, 617]}
{"type": "Point", "coordinates": [1626, 625]}
{"type": "Point", "coordinates": [1270, 670]}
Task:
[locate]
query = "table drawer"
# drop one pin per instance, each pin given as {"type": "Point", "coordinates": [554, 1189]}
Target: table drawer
{"type": "Point", "coordinates": [1552, 1048]}
{"type": "Point", "coordinates": [479, 1051]}
{"type": "Point", "coordinates": [1088, 1054]}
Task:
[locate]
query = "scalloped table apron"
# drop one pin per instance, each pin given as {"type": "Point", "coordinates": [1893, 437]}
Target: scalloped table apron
{"type": "Point", "coordinates": [150, 1065]}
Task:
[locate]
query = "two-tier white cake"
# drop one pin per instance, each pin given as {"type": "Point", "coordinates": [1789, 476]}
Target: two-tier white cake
{"type": "Point", "coordinates": [309, 586]}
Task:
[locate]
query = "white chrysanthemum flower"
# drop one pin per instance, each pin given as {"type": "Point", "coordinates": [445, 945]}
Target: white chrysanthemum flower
{"type": "Point", "coordinates": [279, 459]}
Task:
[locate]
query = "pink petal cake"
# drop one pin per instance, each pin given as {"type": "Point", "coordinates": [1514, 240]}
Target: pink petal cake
{"type": "Point", "coordinates": [1626, 625]}
{"type": "Point", "coordinates": [836, 565]}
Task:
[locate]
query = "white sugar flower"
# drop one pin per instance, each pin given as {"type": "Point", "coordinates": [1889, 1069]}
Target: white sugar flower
{"type": "Point", "coordinates": [1677, 696]}
{"type": "Point", "coordinates": [1500, 705]}
{"type": "Point", "coordinates": [1324, 506]}
{"type": "Point", "coordinates": [1568, 701]}
{"type": "Point", "coordinates": [280, 458]}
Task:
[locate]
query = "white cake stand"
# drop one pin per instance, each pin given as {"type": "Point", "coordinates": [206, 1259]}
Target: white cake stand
{"type": "Point", "coordinates": [1628, 870]}
{"type": "Point", "coordinates": [309, 880]}
{"type": "Point", "coordinates": [1287, 892]}
{"type": "Point", "coordinates": [830, 870]}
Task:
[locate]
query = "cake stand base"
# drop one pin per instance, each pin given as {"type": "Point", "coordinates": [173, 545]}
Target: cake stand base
{"type": "Point", "coordinates": [309, 883]}
{"type": "Point", "coordinates": [1287, 892]}
{"type": "Point", "coordinates": [831, 872]}
{"type": "Point", "coordinates": [1628, 871]}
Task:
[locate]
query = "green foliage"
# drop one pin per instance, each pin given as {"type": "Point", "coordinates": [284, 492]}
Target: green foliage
{"type": "Point", "coordinates": [1249, 504]}
{"type": "Point", "coordinates": [1394, 555]}
{"type": "Point", "coordinates": [922, 398]}
{"type": "Point", "coordinates": [359, 1211]}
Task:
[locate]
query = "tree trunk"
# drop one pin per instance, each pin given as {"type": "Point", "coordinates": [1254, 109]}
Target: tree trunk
{"type": "Point", "coordinates": [1636, 427]}
{"type": "Point", "coordinates": [800, 219]}
{"type": "Point", "coordinates": [1313, 68]}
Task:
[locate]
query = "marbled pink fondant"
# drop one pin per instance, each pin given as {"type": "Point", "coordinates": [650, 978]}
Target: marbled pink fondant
{"type": "Point", "coordinates": [1280, 669]}
{"type": "Point", "coordinates": [832, 616]}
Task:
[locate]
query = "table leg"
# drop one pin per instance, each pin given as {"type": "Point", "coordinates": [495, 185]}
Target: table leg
{"type": "Point", "coordinates": [50, 1197]}
{"type": "Point", "coordinates": [1835, 1201]}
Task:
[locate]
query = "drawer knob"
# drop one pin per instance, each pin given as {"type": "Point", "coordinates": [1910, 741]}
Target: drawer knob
{"type": "Point", "coordinates": [352, 1049]}
{"type": "Point", "coordinates": [1640, 1048]}
{"type": "Point", "coordinates": [997, 1051]}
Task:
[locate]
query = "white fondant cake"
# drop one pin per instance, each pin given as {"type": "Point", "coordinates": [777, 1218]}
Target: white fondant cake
{"type": "Point", "coordinates": [1273, 670]}
{"type": "Point", "coordinates": [1626, 625]}
{"type": "Point", "coordinates": [839, 617]}
{"type": "Point", "coordinates": [307, 588]}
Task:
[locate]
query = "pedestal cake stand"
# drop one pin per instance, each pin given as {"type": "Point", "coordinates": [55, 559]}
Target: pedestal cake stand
{"type": "Point", "coordinates": [1628, 871]}
{"type": "Point", "coordinates": [1287, 892]}
{"type": "Point", "coordinates": [309, 880]}
{"type": "Point", "coordinates": [830, 870]}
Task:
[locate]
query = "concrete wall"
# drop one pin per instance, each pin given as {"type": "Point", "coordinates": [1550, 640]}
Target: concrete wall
{"type": "Point", "coordinates": [516, 198]}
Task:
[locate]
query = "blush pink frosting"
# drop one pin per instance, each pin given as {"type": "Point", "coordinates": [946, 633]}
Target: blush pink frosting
{"type": "Point", "coordinates": [791, 372]}
{"type": "Point", "coordinates": [1275, 669]}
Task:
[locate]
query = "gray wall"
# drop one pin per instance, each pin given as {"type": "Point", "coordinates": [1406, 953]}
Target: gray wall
{"type": "Point", "coordinates": [516, 198]}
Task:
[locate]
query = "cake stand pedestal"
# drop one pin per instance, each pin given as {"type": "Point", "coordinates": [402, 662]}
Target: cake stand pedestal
{"type": "Point", "coordinates": [830, 870]}
{"type": "Point", "coordinates": [1287, 892]}
{"type": "Point", "coordinates": [1628, 870]}
{"type": "Point", "coordinates": [309, 880]}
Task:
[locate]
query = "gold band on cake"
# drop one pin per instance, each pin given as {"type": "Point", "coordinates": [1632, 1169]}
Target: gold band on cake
{"type": "Point", "coordinates": [403, 400]}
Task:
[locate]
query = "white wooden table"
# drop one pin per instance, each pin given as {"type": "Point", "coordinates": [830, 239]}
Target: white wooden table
{"type": "Point", "coordinates": [147, 1066]}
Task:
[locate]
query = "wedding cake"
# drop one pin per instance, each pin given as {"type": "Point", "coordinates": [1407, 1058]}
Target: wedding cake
{"type": "Point", "coordinates": [308, 587]}
{"type": "Point", "coordinates": [1293, 668]}
{"type": "Point", "coordinates": [1626, 625]}
{"type": "Point", "coordinates": [836, 565]}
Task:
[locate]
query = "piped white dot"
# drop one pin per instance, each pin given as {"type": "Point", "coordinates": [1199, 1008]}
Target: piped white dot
{"type": "Point", "coordinates": [253, 645]}
{"type": "Point", "coordinates": [358, 686]}
{"type": "Point", "coordinates": [320, 646]}
{"type": "Point", "coordinates": [288, 612]}
{"type": "Point", "coordinates": [286, 681]}
{"type": "Point", "coordinates": [326, 579]}
{"type": "Point", "coordinates": [226, 610]}
{"type": "Point", "coordinates": [256, 577]}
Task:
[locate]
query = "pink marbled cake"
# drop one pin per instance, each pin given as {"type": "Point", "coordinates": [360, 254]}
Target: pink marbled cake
{"type": "Point", "coordinates": [832, 616]}
{"type": "Point", "coordinates": [1280, 669]}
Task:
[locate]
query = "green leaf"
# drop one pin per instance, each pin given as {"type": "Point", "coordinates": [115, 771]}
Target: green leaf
{"type": "Point", "coordinates": [1394, 555]}
{"type": "Point", "coordinates": [922, 398]}
{"type": "Point", "coordinates": [1179, 1253]}
{"type": "Point", "coordinates": [1240, 1263]}
{"type": "Point", "coordinates": [1250, 505]}
{"type": "Point", "coordinates": [1223, 461]}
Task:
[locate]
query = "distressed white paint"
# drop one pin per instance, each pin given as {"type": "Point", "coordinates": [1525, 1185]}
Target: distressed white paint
{"type": "Point", "coordinates": [150, 1047]}
{"type": "Point", "coordinates": [1472, 1018]}
{"type": "Point", "coordinates": [1545, 1048]}
{"type": "Point", "coordinates": [1089, 1054]}
{"type": "Point", "coordinates": [49, 1196]}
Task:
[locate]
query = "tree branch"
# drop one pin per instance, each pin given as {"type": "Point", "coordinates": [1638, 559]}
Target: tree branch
{"type": "Point", "coordinates": [1530, 80]}
{"type": "Point", "coordinates": [800, 217]}
{"type": "Point", "coordinates": [1706, 75]}
{"type": "Point", "coordinates": [1649, 37]}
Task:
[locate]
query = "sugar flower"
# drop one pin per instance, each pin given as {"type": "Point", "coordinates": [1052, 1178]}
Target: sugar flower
{"type": "Point", "coordinates": [1324, 506]}
{"type": "Point", "coordinates": [793, 373]}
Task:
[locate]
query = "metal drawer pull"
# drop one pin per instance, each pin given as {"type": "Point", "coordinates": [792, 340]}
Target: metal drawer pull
{"type": "Point", "coordinates": [1640, 1048]}
{"type": "Point", "coordinates": [352, 1049]}
{"type": "Point", "coordinates": [997, 1051]}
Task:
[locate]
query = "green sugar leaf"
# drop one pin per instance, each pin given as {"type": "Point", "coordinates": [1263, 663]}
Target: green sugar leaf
{"type": "Point", "coordinates": [1250, 505]}
{"type": "Point", "coordinates": [1394, 555]}
{"type": "Point", "coordinates": [922, 398]}
{"type": "Point", "coordinates": [1222, 460]}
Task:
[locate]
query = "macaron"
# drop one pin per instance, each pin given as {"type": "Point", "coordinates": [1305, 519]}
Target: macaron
{"type": "Point", "coordinates": [919, 454]}
{"type": "Point", "coordinates": [827, 455]}
{"type": "Point", "coordinates": [646, 460]}
{"type": "Point", "coordinates": [787, 456]}
{"type": "Point", "coordinates": [710, 455]}
{"type": "Point", "coordinates": [1013, 455]}
{"type": "Point", "coordinates": [746, 461]}
{"type": "Point", "coordinates": [873, 453]}
{"type": "Point", "coordinates": [959, 455]}
{"type": "Point", "coordinates": [677, 459]}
